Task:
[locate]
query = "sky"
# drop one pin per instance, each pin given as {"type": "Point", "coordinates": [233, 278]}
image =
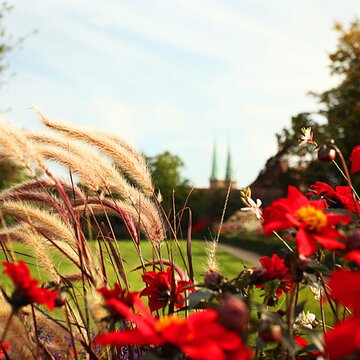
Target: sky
{"type": "Point", "coordinates": [174, 75]}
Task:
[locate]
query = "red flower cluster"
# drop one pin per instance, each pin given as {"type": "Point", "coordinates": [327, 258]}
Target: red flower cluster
{"type": "Point", "coordinates": [271, 269]}
{"type": "Point", "coordinates": [313, 224]}
{"type": "Point", "coordinates": [344, 339]}
{"type": "Point", "coordinates": [355, 159]}
{"type": "Point", "coordinates": [340, 196]}
{"type": "Point", "coordinates": [199, 336]}
{"type": "Point", "coordinates": [26, 289]}
{"type": "Point", "coordinates": [161, 286]}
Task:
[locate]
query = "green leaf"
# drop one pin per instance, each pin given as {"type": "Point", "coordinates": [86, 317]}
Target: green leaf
{"type": "Point", "coordinates": [199, 296]}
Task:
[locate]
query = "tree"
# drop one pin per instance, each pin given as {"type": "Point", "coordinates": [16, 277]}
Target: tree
{"type": "Point", "coordinates": [167, 177]}
{"type": "Point", "coordinates": [9, 172]}
{"type": "Point", "coordinates": [340, 107]}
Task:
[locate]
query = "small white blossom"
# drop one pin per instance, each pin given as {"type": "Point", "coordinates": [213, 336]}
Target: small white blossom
{"type": "Point", "coordinates": [306, 320]}
{"type": "Point", "coordinates": [317, 292]}
{"type": "Point", "coordinates": [307, 137]}
{"type": "Point", "coordinates": [254, 207]}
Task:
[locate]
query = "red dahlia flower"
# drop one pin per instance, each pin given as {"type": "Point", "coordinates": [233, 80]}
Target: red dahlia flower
{"type": "Point", "coordinates": [355, 159]}
{"type": "Point", "coordinates": [26, 289]}
{"type": "Point", "coordinates": [118, 293]}
{"type": "Point", "coordinates": [160, 289]}
{"type": "Point", "coordinates": [274, 266]}
{"type": "Point", "coordinates": [271, 269]}
{"type": "Point", "coordinates": [344, 339]}
{"type": "Point", "coordinates": [341, 196]}
{"type": "Point", "coordinates": [199, 336]}
{"type": "Point", "coordinates": [313, 224]}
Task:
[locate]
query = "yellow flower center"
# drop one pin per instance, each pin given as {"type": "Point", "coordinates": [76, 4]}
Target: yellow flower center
{"type": "Point", "coordinates": [166, 321]}
{"type": "Point", "coordinates": [313, 219]}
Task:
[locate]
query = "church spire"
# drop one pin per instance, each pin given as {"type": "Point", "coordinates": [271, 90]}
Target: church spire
{"type": "Point", "coordinates": [214, 168]}
{"type": "Point", "coordinates": [229, 167]}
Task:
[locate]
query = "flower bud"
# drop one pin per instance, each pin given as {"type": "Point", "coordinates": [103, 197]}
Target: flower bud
{"type": "Point", "coordinates": [353, 242]}
{"type": "Point", "coordinates": [271, 333]}
{"type": "Point", "coordinates": [213, 279]}
{"type": "Point", "coordinates": [259, 275]}
{"type": "Point", "coordinates": [326, 153]}
{"type": "Point", "coordinates": [60, 299]}
{"type": "Point", "coordinates": [233, 313]}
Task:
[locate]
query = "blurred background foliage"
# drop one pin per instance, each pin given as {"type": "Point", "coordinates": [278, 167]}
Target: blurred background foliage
{"type": "Point", "coordinates": [338, 116]}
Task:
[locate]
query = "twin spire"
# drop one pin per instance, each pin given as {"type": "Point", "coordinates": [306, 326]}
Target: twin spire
{"type": "Point", "coordinates": [215, 180]}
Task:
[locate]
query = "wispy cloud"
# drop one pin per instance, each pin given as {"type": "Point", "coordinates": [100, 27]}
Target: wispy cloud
{"type": "Point", "coordinates": [175, 75]}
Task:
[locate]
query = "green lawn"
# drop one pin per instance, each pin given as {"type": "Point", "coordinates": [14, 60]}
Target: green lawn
{"type": "Point", "coordinates": [230, 267]}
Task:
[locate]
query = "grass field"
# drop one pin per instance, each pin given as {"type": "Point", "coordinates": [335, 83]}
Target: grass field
{"type": "Point", "coordinates": [229, 265]}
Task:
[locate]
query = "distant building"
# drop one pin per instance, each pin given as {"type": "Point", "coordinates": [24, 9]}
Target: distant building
{"type": "Point", "coordinates": [216, 182]}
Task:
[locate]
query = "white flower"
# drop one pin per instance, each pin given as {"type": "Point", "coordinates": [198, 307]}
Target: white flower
{"type": "Point", "coordinates": [305, 320]}
{"type": "Point", "coordinates": [254, 207]}
{"type": "Point", "coordinates": [316, 290]}
{"type": "Point", "coordinates": [307, 137]}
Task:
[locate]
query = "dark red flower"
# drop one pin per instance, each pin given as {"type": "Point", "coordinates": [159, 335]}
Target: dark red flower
{"type": "Point", "coordinates": [344, 339]}
{"type": "Point", "coordinates": [199, 336]}
{"type": "Point", "coordinates": [4, 347]}
{"type": "Point", "coordinates": [341, 196]}
{"type": "Point", "coordinates": [274, 266]}
{"type": "Point", "coordinates": [313, 224]}
{"type": "Point", "coordinates": [271, 269]}
{"type": "Point", "coordinates": [355, 159]}
{"type": "Point", "coordinates": [161, 286]}
{"type": "Point", "coordinates": [26, 289]}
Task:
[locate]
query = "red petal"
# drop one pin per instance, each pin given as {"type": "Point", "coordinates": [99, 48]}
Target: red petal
{"type": "Point", "coordinates": [305, 242]}
{"type": "Point", "coordinates": [342, 341]}
{"type": "Point", "coordinates": [355, 159]}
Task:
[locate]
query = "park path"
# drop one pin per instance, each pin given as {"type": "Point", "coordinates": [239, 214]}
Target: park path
{"type": "Point", "coordinates": [242, 254]}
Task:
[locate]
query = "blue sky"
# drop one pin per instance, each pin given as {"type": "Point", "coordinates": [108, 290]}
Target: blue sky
{"type": "Point", "coordinates": [175, 75]}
